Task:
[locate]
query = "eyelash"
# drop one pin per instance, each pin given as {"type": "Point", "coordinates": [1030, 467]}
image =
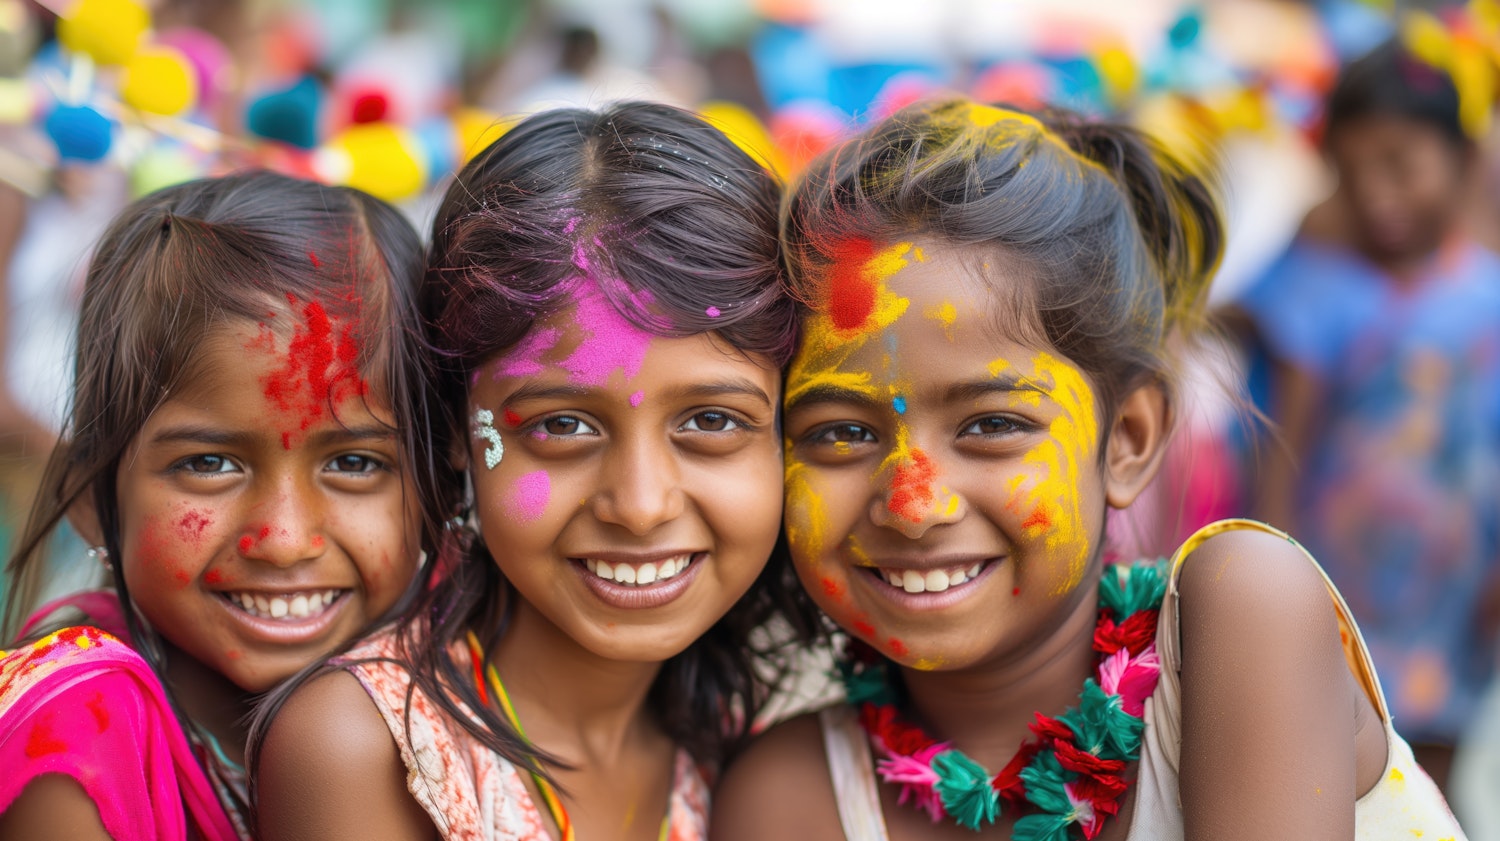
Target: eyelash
{"type": "Point", "coordinates": [738, 424]}
{"type": "Point", "coordinates": [819, 434]}
{"type": "Point", "coordinates": [186, 465]}
{"type": "Point", "coordinates": [1013, 425]}
{"type": "Point", "coordinates": [373, 464]}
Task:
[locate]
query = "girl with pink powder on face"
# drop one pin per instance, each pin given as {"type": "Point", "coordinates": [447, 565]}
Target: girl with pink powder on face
{"type": "Point", "coordinates": [605, 299]}
{"type": "Point", "coordinates": [243, 452]}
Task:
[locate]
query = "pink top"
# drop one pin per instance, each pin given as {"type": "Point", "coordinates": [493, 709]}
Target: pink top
{"type": "Point", "coordinates": [82, 703]}
{"type": "Point", "coordinates": [470, 792]}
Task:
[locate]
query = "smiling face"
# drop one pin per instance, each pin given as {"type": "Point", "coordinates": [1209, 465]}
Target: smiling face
{"type": "Point", "coordinates": [945, 492]}
{"type": "Point", "coordinates": [629, 486]}
{"type": "Point", "coordinates": [260, 529]}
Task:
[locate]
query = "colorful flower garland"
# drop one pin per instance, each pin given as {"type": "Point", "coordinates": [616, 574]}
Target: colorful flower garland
{"type": "Point", "coordinates": [1067, 779]}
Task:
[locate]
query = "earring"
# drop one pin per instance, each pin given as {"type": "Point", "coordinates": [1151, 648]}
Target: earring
{"type": "Point", "coordinates": [99, 554]}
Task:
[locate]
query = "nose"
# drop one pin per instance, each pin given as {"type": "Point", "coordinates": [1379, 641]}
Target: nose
{"type": "Point", "coordinates": [911, 500]}
{"type": "Point", "coordinates": [286, 526]}
{"type": "Point", "coordinates": [640, 485]}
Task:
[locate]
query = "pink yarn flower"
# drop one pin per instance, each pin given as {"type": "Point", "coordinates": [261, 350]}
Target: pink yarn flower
{"type": "Point", "coordinates": [916, 778]}
{"type": "Point", "coordinates": [1132, 678]}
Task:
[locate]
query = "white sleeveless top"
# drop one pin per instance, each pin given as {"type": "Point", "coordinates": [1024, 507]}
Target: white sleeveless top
{"type": "Point", "coordinates": [1404, 804]}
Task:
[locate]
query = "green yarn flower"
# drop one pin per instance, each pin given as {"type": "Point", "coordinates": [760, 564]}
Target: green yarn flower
{"type": "Point", "coordinates": [1043, 827]}
{"type": "Point", "coordinates": [867, 684]}
{"type": "Point", "coordinates": [964, 787]}
{"type": "Point", "coordinates": [1128, 589]}
{"type": "Point", "coordinates": [1101, 726]}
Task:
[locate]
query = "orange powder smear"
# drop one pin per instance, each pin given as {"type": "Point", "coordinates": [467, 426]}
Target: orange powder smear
{"type": "Point", "coordinates": [911, 494]}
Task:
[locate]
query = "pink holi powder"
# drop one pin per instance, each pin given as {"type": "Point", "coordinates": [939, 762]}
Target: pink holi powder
{"type": "Point", "coordinates": [635, 399]}
{"type": "Point", "coordinates": [571, 226]}
{"type": "Point", "coordinates": [712, 312]}
{"type": "Point", "coordinates": [612, 342]}
{"type": "Point", "coordinates": [527, 498]}
{"type": "Point", "coordinates": [525, 359]}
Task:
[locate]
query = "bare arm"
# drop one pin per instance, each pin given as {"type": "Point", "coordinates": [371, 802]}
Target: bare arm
{"type": "Point", "coordinates": [779, 788]}
{"type": "Point", "coordinates": [330, 769]}
{"type": "Point", "coordinates": [52, 806]}
{"type": "Point", "coordinates": [1269, 745]}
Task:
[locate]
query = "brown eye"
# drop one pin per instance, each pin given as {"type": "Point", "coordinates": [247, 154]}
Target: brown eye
{"type": "Point", "coordinates": [565, 425]}
{"type": "Point", "coordinates": [844, 433]}
{"type": "Point", "coordinates": [354, 463]}
{"type": "Point", "coordinates": [710, 422]}
{"type": "Point", "coordinates": [206, 464]}
{"type": "Point", "coordinates": [995, 425]}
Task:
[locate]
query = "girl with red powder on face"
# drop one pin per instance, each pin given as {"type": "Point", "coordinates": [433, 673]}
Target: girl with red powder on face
{"type": "Point", "coordinates": [605, 299]}
{"type": "Point", "coordinates": [243, 454]}
{"type": "Point", "coordinates": [983, 373]}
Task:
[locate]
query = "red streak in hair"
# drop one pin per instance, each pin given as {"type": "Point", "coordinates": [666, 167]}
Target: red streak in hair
{"type": "Point", "coordinates": [851, 295]}
{"type": "Point", "coordinates": [911, 487]}
{"type": "Point", "coordinates": [319, 370]}
{"type": "Point", "coordinates": [313, 256]}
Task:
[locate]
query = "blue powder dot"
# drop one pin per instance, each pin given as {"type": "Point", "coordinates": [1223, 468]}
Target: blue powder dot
{"type": "Point", "coordinates": [899, 403]}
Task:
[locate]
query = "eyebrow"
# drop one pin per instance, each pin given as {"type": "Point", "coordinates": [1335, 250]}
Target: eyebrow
{"type": "Point", "coordinates": [818, 394]}
{"type": "Point", "coordinates": [536, 391]}
{"type": "Point", "coordinates": [729, 387]}
{"type": "Point", "coordinates": [1001, 384]}
{"type": "Point", "coordinates": [218, 437]}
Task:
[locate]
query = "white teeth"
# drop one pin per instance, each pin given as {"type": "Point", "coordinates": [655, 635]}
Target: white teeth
{"type": "Point", "coordinates": [913, 582]}
{"type": "Point", "coordinates": [290, 607]}
{"type": "Point", "coordinates": [936, 581]}
{"type": "Point", "coordinates": [647, 573]}
{"type": "Point", "coordinates": [931, 581]}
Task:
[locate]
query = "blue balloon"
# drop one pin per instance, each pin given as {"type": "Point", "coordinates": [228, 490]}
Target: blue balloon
{"type": "Point", "coordinates": [289, 115]}
{"type": "Point", "coordinates": [80, 132]}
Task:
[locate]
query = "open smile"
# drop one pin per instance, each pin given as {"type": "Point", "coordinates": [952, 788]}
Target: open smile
{"type": "Point", "coordinates": [933, 584]}
{"type": "Point", "coordinates": [288, 607]}
{"type": "Point", "coordinates": [634, 582]}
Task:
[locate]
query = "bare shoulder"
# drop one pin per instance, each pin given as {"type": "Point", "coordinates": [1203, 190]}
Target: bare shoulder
{"type": "Point", "coordinates": [52, 806]}
{"type": "Point", "coordinates": [307, 785]}
{"type": "Point", "coordinates": [1253, 570]}
{"type": "Point", "coordinates": [1268, 703]}
{"type": "Point", "coordinates": [785, 766]}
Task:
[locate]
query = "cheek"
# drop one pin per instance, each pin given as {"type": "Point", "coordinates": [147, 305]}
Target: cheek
{"type": "Point", "coordinates": [171, 550]}
{"type": "Point", "coordinates": [806, 515]}
{"type": "Point", "coordinates": [526, 498]}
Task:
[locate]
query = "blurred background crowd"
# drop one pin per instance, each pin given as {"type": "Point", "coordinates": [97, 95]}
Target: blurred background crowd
{"type": "Point", "coordinates": [1348, 391]}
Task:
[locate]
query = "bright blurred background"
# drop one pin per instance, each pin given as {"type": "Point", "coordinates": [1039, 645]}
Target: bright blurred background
{"type": "Point", "coordinates": [105, 100]}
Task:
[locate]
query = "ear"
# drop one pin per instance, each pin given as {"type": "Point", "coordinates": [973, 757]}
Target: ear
{"type": "Point", "coordinates": [84, 518]}
{"type": "Point", "coordinates": [1137, 442]}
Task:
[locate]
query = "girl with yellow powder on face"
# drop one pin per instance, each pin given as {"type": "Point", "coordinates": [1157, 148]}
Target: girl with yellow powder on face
{"type": "Point", "coordinates": [983, 374]}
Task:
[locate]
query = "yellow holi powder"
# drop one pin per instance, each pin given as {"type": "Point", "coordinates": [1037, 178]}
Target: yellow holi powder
{"type": "Point", "coordinates": [803, 377]}
{"type": "Point", "coordinates": [951, 507]}
{"type": "Point", "coordinates": [1068, 450]}
{"type": "Point", "coordinates": [856, 551]}
{"type": "Point", "coordinates": [806, 515]}
{"type": "Point", "coordinates": [945, 314]}
{"type": "Point", "coordinates": [917, 255]}
{"type": "Point", "coordinates": [842, 448]}
{"type": "Point", "coordinates": [999, 366]}
{"type": "Point", "coordinates": [928, 664]}
{"type": "Point", "coordinates": [996, 367]}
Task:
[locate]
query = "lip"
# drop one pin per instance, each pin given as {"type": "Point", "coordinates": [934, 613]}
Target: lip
{"type": "Point", "coordinates": [926, 563]}
{"type": "Point", "coordinates": [636, 597]}
{"type": "Point", "coordinates": [281, 631]}
{"type": "Point", "coordinates": [875, 583]}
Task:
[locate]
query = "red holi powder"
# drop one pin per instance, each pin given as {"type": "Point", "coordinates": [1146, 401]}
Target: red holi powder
{"type": "Point", "coordinates": [911, 487]}
{"type": "Point", "coordinates": [1038, 520]}
{"type": "Point", "coordinates": [864, 629]}
{"type": "Point", "coordinates": [319, 370]}
{"type": "Point", "coordinates": [851, 295]}
{"type": "Point", "coordinates": [234, 654]}
{"type": "Point", "coordinates": [511, 418]}
{"type": "Point", "coordinates": [41, 740]}
{"type": "Point", "coordinates": [182, 577]}
{"type": "Point", "coordinates": [97, 706]}
{"type": "Point", "coordinates": [317, 541]}
{"type": "Point", "coordinates": [313, 257]}
{"type": "Point", "coordinates": [265, 532]}
{"type": "Point", "coordinates": [898, 647]}
{"type": "Point", "coordinates": [192, 525]}
{"type": "Point", "coordinates": [832, 588]}
{"type": "Point", "coordinates": [247, 543]}
{"type": "Point", "coordinates": [213, 576]}
{"type": "Point", "coordinates": [1016, 592]}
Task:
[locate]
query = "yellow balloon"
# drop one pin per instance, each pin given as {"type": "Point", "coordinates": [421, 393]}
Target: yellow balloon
{"type": "Point", "coordinates": [159, 80]}
{"type": "Point", "coordinates": [107, 30]}
{"type": "Point", "coordinates": [384, 160]}
{"type": "Point", "coordinates": [1118, 72]}
{"type": "Point", "coordinates": [477, 129]}
{"type": "Point", "coordinates": [741, 126]}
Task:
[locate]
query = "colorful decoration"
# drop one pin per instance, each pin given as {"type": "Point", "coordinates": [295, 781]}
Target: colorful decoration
{"type": "Point", "coordinates": [159, 80]}
{"type": "Point", "coordinates": [108, 31]}
{"type": "Point", "coordinates": [1068, 779]}
{"type": "Point", "coordinates": [80, 132]}
{"type": "Point", "coordinates": [484, 430]}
